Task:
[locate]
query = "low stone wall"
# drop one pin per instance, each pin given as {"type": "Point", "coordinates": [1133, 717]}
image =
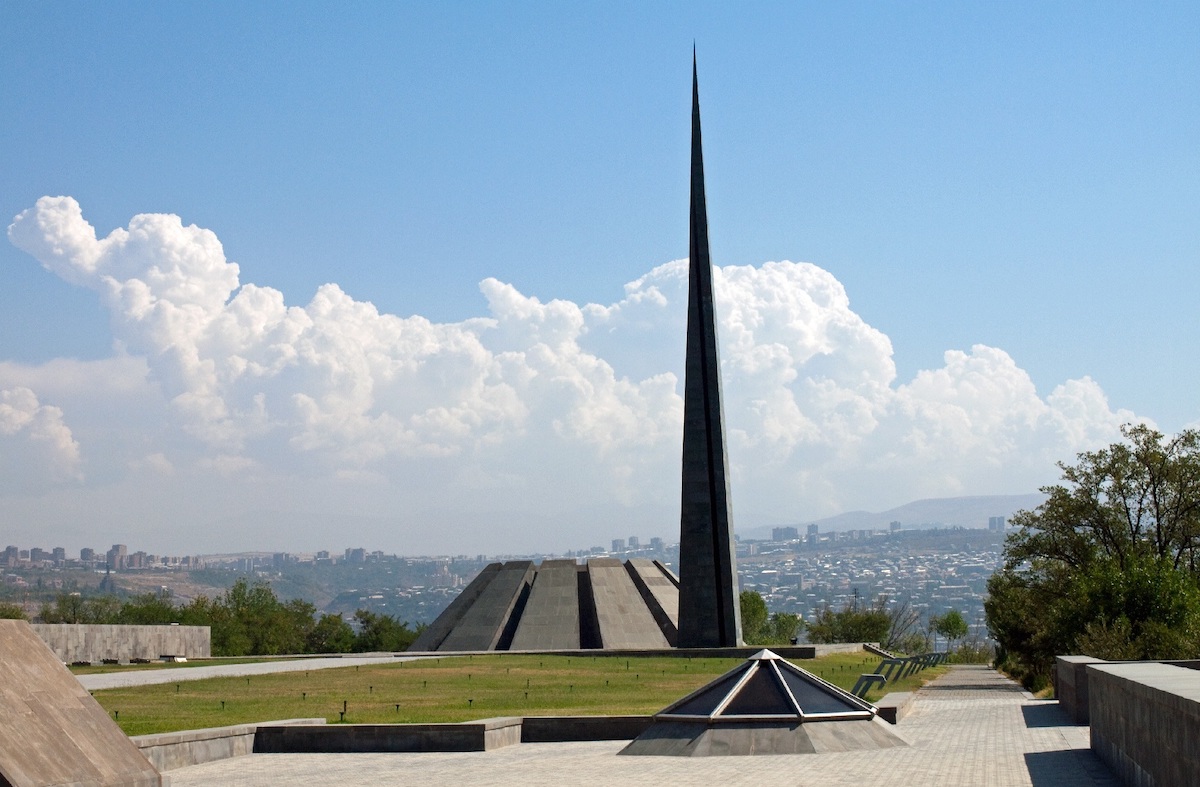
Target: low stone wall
{"type": "Point", "coordinates": [171, 750]}
{"type": "Point", "coordinates": [93, 643]}
{"type": "Point", "coordinates": [1145, 720]}
{"type": "Point", "coordinates": [561, 729]}
{"type": "Point", "coordinates": [482, 735]}
{"type": "Point", "coordinates": [895, 706]}
{"type": "Point", "coordinates": [1071, 685]}
{"type": "Point", "coordinates": [1071, 682]}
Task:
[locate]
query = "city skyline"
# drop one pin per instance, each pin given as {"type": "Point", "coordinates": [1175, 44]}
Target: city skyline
{"type": "Point", "coordinates": [415, 275]}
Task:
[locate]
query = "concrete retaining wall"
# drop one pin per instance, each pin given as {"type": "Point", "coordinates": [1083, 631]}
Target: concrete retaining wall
{"type": "Point", "coordinates": [1145, 720]}
{"type": "Point", "coordinates": [482, 735]}
{"type": "Point", "coordinates": [77, 642]}
{"type": "Point", "coordinates": [895, 706]}
{"type": "Point", "coordinates": [171, 750]}
{"type": "Point", "coordinates": [1071, 682]}
{"type": "Point", "coordinates": [560, 729]}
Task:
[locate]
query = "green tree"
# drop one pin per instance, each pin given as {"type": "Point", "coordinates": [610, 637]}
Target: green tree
{"type": "Point", "coordinates": [782, 628]}
{"type": "Point", "coordinates": [74, 608]}
{"type": "Point", "coordinates": [148, 609]}
{"type": "Point", "coordinates": [762, 628]}
{"type": "Point", "coordinates": [330, 634]}
{"type": "Point", "coordinates": [950, 625]}
{"type": "Point", "coordinates": [851, 624]}
{"type": "Point", "coordinates": [9, 611]}
{"type": "Point", "coordinates": [754, 617]}
{"type": "Point", "coordinates": [378, 632]}
{"type": "Point", "coordinates": [1108, 564]}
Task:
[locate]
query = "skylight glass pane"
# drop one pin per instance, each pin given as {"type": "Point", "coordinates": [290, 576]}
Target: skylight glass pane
{"type": "Point", "coordinates": [707, 701]}
{"type": "Point", "coordinates": [760, 695]}
{"type": "Point", "coordinates": [813, 697]}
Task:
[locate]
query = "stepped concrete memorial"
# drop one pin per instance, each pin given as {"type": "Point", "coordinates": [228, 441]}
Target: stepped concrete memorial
{"type": "Point", "coordinates": [560, 605]}
{"type": "Point", "coordinates": [52, 732]}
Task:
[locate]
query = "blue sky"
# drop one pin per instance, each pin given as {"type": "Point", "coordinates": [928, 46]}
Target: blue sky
{"type": "Point", "coordinates": [1023, 177]}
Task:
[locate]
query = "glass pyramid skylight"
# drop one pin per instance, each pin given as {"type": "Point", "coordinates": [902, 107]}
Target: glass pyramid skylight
{"type": "Point", "coordinates": [767, 687]}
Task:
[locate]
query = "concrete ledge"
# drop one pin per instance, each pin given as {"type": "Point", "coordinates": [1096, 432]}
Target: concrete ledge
{"type": "Point", "coordinates": [1071, 685]}
{"type": "Point", "coordinates": [1071, 682]}
{"type": "Point", "coordinates": [1145, 720]}
{"type": "Point", "coordinates": [482, 735]}
{"type": "Point", "coordinates": [170, 750]}
{"type": "Point", "coordinates": [561, 729]}
{"type": "Point", "coordinates": [895, 706]}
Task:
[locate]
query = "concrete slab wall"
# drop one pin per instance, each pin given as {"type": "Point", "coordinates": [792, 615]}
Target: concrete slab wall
{"type": "Point", "coordinates": [625, 621]}
{"type": "Point", "coordinates": [1145, 720]}
{"type": "Point", "coordinates": [1071, 685]}
{"type": "Point", "coordinates": [93, 643]}
{"type": "Point", "coordinates": [170, 750]}
{"type": "Point", "coordinates": [433, 636]}
{"type": "Point", "coordinates": [550, 620]}
{"type": "Point", "coordinates": [560, 729]}
{"type": "Point", "coordinates": [483, 624]}
{"type": "Point", "coordinates": [52, 732]}
{"type": "Point", "coordinates": [659, 593]}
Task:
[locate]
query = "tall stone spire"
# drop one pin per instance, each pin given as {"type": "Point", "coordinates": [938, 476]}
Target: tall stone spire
{"type": "Point", "coordinates": [709, 609]}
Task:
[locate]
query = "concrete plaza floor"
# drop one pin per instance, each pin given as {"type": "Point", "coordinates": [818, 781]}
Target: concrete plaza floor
{"type": "Point", "coordinates": [969, 727]}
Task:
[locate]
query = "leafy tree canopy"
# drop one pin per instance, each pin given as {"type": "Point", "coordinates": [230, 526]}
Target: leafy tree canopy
{"type": "Point", "coordinates": [1107, 565]}
{"type": "Point", "coordinates": [762, 628]}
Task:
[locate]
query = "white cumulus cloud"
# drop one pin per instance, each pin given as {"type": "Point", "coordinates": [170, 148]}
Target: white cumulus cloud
{"type": "Point", "coordinates": [549, 405]}
{"type": "Point", "coordinates": [36, 446]}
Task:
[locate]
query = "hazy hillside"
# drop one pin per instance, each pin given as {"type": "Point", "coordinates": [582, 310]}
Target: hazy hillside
{"type": "Point", "coordinates": [962, 511]}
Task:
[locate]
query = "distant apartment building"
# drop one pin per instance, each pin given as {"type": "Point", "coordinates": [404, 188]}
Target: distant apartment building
{"type": "Point", "coordinates": [784, 534]}
{"type": "Point", "coordinates": [618, 545]}
{"type": "Point", "coordinates": [87, 555]}
{"type": "Point", "coordinates": [58, 555]}
{"type": "Point", "coordinates": [996, 523]}
{"type": "Point", "coordinates": [11, 556]}
{"type": "Point", "coordinates": [813, 535]}
{"type": "Point", "coordinates": [893, 527]}
{"type": "Point", "coordinates": [633, 542]}
{"type": "Point", "coordinates": [356, 555]}
{"type": "Point", "coordinates": [656, 544]}
{"type": "Point", "coordinates": [39, 555]}
{"type": "Point", "coordinates": [116, 556]}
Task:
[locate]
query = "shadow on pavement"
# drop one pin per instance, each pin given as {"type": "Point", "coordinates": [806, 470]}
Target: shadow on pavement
{"type": "Point", "coordinates": [1045, 714]}
{"type": "Point", "coordinates": [1067, 768]}
{"type": "Point", "coordinates": [937, 686]}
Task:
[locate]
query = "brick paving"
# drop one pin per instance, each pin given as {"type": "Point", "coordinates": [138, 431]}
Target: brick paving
{"type": "Point", "coordinates": [969, 727]}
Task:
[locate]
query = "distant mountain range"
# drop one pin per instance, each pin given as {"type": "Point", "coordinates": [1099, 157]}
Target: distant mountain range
{"type": "Point", "coordinates": [970, 512]}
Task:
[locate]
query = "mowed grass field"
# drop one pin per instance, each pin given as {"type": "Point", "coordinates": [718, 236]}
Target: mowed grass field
{"type": "Point", "coordinates": [445, 690]}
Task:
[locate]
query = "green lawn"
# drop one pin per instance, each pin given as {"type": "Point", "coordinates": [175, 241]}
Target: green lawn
{"type": "Point", "coordinates": [445, 690]}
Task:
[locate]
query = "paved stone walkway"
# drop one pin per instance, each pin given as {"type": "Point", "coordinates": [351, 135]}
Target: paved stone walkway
{"type": "Point", "coordinates": [969, 727]}
{"type": "Point", "coordinates": [148, 677]}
